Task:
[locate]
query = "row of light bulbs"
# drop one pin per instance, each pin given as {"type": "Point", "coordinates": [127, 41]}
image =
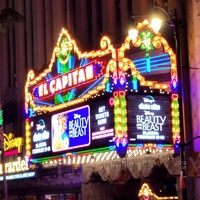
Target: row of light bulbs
{"type": "Point", "coordinates": [104, 156]}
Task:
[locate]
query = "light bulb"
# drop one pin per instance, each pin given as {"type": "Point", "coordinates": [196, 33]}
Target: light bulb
{"type": "Point", "coordinates": [156, 24]}
{"type": "Point", "coordinates": [133, 33]}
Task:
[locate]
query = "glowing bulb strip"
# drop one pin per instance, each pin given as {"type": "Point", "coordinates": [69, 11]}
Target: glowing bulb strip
{"type": "Point", "coordinates": [145, 190]}
{"type": "Point", "coordinates": [100, 156]}
{"type": "Point", "coordinates": [175, 118]}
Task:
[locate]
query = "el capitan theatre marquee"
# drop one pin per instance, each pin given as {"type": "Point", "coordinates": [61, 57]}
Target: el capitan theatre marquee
{"type": "Point", "coordinates": [100, 101]}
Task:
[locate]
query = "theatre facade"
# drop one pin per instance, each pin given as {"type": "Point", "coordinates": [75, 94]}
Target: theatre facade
{"type": "Point", "coordinates": [104, 124]}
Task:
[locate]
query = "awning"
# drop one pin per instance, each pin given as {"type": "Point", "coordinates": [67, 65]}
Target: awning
{"type": "Point", "coordinates": [139, 166]}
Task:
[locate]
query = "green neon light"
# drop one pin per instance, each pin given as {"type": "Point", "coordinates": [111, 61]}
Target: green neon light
{"type": "Point", "coordinates": [1, 117]}
{"type": "Point", "coordinates": [58, 99]}
{"type": "Point", "coordinates": [146, 41]}
{"type": "Point", "coordinates": [103, 149]}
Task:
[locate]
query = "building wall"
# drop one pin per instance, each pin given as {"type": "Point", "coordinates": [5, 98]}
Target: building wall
{"type": "Point", "coordinates": [193, 32]}
{"type": "Point", "coordinates": [29, 45]}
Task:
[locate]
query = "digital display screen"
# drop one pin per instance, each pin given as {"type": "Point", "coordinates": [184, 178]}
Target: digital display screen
{"type": "Point", "coordinates": [71, 129]}
{"type": "Point", "coordinates": [149, 119]}
{"type": "Point", "coordinates": [83, 128]}
{"type": "Point", "coordinates": [41, 134]}
{"type": "Point", "coordinates": [102, 122]}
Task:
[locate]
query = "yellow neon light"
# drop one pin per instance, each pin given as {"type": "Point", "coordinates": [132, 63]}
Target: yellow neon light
{"type": "Point", "coordinates": [145, 193]}
{"type": "Point", "coordinates": [11, 142]}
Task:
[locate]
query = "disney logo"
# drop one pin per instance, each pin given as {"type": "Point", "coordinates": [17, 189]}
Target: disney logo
{"type": "Point", "coordinates": [147, 100]}
{"type": "Point", "coordinates": [40, 127]}
{"type": "Point", "coordinates": [148, 113]}
{"type": "Point", "coordinates": [76, 116]}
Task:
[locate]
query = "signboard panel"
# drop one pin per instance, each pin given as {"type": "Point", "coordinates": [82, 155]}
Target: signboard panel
{"type": "Point", "coordinates": [102, 120]}
{"type": "Point", "coordinates": [149, 119]}
{"type": "Point", "coordinates": [71, 129]}
{"type": "Point", "coordinates": [60, 86]}
{"type": "Point", "coordinates": [86, 127]}
{"type": "Point", "coordinates": [40, 134]}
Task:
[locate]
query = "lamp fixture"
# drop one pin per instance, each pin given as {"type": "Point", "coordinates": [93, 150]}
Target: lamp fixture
{"type": "Point", "coordinates": [156, 21]}
{"type": "Point", "coordinates": [132, 32]}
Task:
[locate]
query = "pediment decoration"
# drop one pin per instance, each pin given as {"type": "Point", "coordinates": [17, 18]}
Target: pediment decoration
{"type": "Point", "coordinates": [73, 76]}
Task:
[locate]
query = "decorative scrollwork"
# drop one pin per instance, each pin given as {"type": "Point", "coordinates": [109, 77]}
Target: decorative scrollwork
{"type": "Point", "coordinates": [157, 42]}
{"type": "Point", "coordinates": [112, 65]}
{"type": "Point", "coordinates": [105, 42]}
{"type": "Point", "coordinates": [137, 42]}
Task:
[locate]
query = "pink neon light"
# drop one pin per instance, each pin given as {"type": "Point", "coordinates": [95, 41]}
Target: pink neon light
{"type": "Point", "coordinates": [10, 153]}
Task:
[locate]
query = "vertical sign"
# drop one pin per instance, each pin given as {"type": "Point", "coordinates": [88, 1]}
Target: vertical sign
{"type": "Point", "coordinates": [40, 129]}
{"type": "Point", "coordinates": [1, 128]}
{"type": "Point", "coordinates": [149, 119]}
{"type": "Point", "coordinates": [1, 117]}
{"type": "Point", "coordinates": [102, 122]}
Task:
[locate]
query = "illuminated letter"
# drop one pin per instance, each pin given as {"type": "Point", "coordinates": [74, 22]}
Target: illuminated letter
{"type": "Point", "coordinates": [75, 74]}
{"type": "Point", "coordinates": [45, 89]}
{"type": "Point", "coordinates": [1, 169]}
{"type": "Point", "coordinates": [81, 75]}
{"type": "Point", "coordinates": [23, 165]}
{"type": "Point", "coordinates": [52, 86]}
{"type": "Point", "coordinates": [58, 84]}
{"type": "Point", "coordinates": [89, 72]}
{"type": "Point", "coordinates": [69, 79]}
{"type": "Point", "coordinates": [40, 90]}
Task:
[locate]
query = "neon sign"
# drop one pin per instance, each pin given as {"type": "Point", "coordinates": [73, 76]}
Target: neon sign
{"type": "Point", "coordinates": [74, 77]}
{"type": "Point", "coordinates": [1, 117]}
{"type": "Point", "coordinates": [16, 166]}
{"type": "Point", "coordinates": [10, 142]}
{"type": "Point", "coordinates": [146, 193]}
{"type": "Point", "coordinates": [65, 82]}
{"type": "Point", "coordinates": [102, 116]}
{"type": "Point", "coordinates": [58, 99]}
{"type": "Point", "coordinates": [19, 176]}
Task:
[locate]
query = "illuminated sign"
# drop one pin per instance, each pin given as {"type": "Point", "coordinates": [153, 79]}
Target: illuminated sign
{"type": "Point", "coordinates": [102, 122]}
{"type": "Point", "coordinates": [41, 141]}
{"type": "Point", "coordinates": [71, 129]}
{"type": "Point", "coordinates": [146, 193]}
{"type": "Point", "coordinates": [1, 117]}
{"type": "Point", "coordinates": [19, 176]}
{"type": "Point", "coordinates": [149, 118]}
{"type": "Point", "coordinates": [58, 99]}
{"type": "Point", "coordinates": [83, 128]}
{"type": "Point", "coordinates": [67, 81]}
{"type": "Point", "coordinates": [16, 166]}
{"type": "Point", "coordinates": [10, 142]}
